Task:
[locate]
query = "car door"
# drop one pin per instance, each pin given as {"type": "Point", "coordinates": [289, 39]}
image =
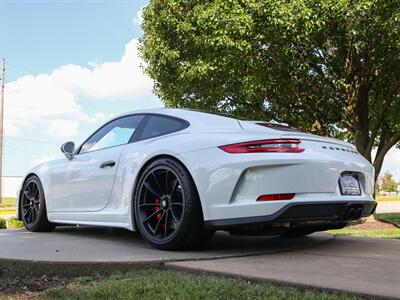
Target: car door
{"type": "Point", "coordinates": [85, 182]}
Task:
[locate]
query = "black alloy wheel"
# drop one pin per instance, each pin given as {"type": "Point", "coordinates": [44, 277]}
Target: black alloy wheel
{"type": "Point", "coordinates": [162, 203]}
{"type": "Point", "coordinates": [30, 203]}
{"type": "Point", "coordinates": [167, 208]}
{"type": "Point", "coordinates": [33, 206]}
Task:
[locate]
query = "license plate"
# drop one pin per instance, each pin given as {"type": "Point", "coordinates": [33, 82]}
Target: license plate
{"type": "Point", "coordinates": [349, 185]}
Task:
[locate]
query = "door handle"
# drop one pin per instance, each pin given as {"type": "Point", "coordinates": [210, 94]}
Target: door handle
{"type": "Point", "coordinates": [108, 163]}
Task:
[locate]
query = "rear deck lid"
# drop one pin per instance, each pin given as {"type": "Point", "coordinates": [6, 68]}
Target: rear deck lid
{"type": "Point", "coordinates": [289, 132]}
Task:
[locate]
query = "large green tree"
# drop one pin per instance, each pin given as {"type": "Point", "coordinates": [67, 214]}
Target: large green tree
{"type": "Point", "coordinates": [328, 66]}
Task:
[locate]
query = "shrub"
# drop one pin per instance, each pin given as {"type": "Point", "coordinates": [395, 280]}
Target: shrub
{"type": "Point", "coordinates": [2, 223]}
{"type": "Point", "coordinates": [13, 223]}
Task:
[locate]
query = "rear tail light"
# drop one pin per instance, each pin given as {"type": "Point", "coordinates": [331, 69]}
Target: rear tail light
{"type": "Point", "coordinates": [274, 197]}
{"type": "Point", "coordinates": [274, 145]}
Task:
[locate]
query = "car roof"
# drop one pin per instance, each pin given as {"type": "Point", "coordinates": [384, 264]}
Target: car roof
{"type": "Point", "coordinates": [197, 119]}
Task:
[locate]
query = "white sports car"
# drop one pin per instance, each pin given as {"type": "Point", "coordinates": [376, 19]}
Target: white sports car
{"type": "Point", "coordinates": [176, 176]}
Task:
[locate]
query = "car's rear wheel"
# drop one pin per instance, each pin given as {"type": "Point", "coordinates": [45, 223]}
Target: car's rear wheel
{"type": "Point", "coordinates": [33, 206]}
{"type": "Point", "coordinates": [167, 208]}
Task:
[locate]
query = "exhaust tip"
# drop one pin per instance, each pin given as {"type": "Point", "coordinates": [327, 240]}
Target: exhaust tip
{"type": "Point", "coordinates": [350, 213]}
{"type": "Point", "coordinates": [358, 213]}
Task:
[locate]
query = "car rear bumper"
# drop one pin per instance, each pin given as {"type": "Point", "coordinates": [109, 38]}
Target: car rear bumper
{"type": "Point", "coordinates": [229, 184]}
{"type": "Point", "coordinates": [302, 212]}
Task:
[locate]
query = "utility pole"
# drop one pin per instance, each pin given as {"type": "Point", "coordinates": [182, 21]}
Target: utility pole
{"type": "Point", "coordinates": [3, 71]}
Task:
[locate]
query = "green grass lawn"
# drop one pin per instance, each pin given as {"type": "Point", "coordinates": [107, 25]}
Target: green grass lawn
{"type": "Point", "coordinates": [393, 218]}
{"type": "Point", "coordinates": [163, 284]}
{"type": "Point", "coordinates": [7, 212]}
{"type": "Point", "coordinates": [378, 233]}
{"type": "Point", "coordinates": [394, 233]}
{"type": "Point", "coordinates": [9, 201]}
{"type": "Point", "coordinates": [7, 207]}
{"type": "Point", "coordinates": [388, 198]}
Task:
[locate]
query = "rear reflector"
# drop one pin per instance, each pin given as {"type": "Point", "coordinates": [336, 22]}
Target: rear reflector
{"type": "Point", "coordinates": [274, 197]}
{"type": "Point", "coordinates": [273, 145]}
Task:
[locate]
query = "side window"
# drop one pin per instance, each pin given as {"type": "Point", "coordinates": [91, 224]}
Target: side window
{"type": "Point", "coordinates": [113, 134]}
{"type": "Point", "coordinates": [160, 125]}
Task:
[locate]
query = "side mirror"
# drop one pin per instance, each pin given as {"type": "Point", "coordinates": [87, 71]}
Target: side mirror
{"type": "Point", "coordinates": [68, 149]}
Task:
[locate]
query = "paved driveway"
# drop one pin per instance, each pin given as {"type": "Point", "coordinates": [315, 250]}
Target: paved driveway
{"type": "Point", "coordinates": [388, 207]}
{"type": "Point", "coordinates": [353, 264]}
{"type": "Point", "coordinates": [359, 265]}
{"type": "Point", "coordinates": [96, 245]}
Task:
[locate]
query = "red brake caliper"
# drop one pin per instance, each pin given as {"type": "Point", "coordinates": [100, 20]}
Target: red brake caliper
{"type": "Point", "coordinates": [157, 201]}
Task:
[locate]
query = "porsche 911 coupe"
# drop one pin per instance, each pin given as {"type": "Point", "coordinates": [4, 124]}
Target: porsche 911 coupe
{"type": "Point", "coordinates": [176, 176]}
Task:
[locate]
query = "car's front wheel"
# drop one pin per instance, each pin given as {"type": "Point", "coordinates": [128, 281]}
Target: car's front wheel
{"type": "Point", "coordinates": [33, 206]}
{"type": "Point", "coordinates": [167, 208]}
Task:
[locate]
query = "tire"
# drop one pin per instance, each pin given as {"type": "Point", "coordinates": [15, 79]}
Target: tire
{"type": "Point", "coordinates": [169, 216]}
{"type": "Point", "coordinates": [32, 206]}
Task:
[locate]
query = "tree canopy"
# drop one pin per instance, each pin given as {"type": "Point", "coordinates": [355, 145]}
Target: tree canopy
{"type": "Point", "coordinates": [328, 66]}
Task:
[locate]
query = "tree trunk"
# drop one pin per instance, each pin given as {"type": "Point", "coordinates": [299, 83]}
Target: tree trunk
{"type": "Point", "coordinates": [384, 146]}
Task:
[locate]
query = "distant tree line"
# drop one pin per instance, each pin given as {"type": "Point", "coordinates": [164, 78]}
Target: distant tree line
{"type": "Point", "coordinates": [388, 183]}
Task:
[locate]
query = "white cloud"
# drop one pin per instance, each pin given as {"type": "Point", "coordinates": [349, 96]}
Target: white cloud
{"type": "Point", "coordinates": [138, 19]}
{"type": "Point", "coordinates": [122, 80]}
{"type": "Point", "coordinates": [42, 159]}
{"type": "Point", "coordinates": [33, 102]}
{"type": "Point", "coordinates": [52, 100]}
{"type": "Point", "coordinates": [100, 117]}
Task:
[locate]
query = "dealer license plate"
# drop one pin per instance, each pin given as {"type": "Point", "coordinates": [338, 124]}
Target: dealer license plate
{"type": "Point", "coordinates": [349, 185]}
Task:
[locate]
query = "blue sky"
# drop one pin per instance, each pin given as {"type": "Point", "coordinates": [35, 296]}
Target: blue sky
{"type": "Point", "coordinates": [38, 38]}
{"type": "Point", "coordinates": [71, 65]}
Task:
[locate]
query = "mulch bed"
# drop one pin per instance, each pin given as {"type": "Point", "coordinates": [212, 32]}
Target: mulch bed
{"type": "Point", "coordinates": [375, 225]}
